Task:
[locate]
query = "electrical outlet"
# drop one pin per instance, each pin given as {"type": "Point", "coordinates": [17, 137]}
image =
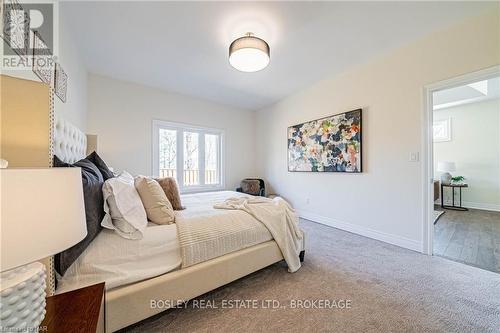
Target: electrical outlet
{"type": "Point", "coordinates": [307, 201]}
{"type": "Point", "coordinates": [414, 157]}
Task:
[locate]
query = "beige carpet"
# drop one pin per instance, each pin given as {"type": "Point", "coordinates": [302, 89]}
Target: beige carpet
{"type": "Point", "coordinates": [391, 290]}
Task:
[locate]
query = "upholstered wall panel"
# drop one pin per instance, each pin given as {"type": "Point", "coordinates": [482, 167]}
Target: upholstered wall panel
{"type": "Point", "coordinates": [27, 114]}
{"type": "Point", "coordinates": [91, 143]}
{"type": "Point", "coordinates": [25, 127]}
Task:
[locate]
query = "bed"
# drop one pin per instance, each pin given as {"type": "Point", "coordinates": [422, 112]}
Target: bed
{"type": "Point", "coordinates": [159, 275]}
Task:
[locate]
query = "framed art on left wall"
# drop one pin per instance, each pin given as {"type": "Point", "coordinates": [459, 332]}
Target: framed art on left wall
{"type": "Point", "coordinates": [43, 65]}
{"type": "Point", "coordinates": [330, 144]}
{"type": "Point", "coordinates": [15, 29]}
{"type": "Point", "coordinates": [61, 82]}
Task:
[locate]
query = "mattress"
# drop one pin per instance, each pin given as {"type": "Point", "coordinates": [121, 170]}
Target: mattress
{"type": "Point", "coordinates": [119, 261]}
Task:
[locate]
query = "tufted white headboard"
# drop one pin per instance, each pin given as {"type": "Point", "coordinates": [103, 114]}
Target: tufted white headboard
{"type": "Point", "coordinates": [70, 143]}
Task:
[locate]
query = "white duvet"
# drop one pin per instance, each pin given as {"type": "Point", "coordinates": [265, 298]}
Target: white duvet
{"type": "Point", "coordinates": [119, 261]}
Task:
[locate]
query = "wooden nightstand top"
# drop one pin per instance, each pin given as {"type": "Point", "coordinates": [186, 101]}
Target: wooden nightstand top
{"type": "Point", "coordinates": [74, 311]}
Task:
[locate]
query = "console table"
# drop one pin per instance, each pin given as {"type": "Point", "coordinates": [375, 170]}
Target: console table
{"type": "Point", "coordinates": [453, 187]}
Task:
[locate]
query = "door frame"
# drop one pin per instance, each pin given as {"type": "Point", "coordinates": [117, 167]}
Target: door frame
{"type": "Point", "coordinates": [428, 145]}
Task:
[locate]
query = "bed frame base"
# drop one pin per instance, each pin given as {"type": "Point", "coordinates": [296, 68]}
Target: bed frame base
{"type": "Point", "coordinates": [132, 303]}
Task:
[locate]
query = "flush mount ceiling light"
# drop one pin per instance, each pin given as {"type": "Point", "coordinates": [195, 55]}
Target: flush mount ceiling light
{"type": "Point", "coordinates": [249, 53]}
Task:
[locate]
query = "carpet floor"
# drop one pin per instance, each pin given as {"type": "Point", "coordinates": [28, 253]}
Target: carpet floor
{"type": "Point", "coordinates": [389, 289]}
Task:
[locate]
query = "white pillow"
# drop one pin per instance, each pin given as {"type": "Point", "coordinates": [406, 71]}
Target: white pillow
{"type": "Point", "coordinates": [124, 210]}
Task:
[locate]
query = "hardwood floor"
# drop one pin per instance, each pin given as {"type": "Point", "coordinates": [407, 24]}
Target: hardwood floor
{"type": "Point", "coordinates": [471, 237]}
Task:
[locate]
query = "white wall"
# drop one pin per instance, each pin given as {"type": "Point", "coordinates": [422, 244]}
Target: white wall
{"type": "Point", "coordinates": [75, 108]}
{"type": "Point", "coordinates": [475, 148]}
{"type": "Point", "coordinates": [385, 201]}
{"type": "Point", "coordinates": [121, 113]}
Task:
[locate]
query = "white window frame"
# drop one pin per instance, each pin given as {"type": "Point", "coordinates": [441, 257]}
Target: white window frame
{"type": "Point", "coordinates": [181, 128]}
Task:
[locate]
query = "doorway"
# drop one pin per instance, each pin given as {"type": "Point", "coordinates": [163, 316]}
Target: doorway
{"type": "Point", "coordinates": [462, 169]}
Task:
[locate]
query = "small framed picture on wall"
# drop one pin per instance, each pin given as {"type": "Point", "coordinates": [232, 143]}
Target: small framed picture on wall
{"type": "Point", "coordinates": [15, 27]}
{"type": "Point", "coordinates": [442, 130]}
{"type": "Point", "coordinates": [61, 82]}
{"type": "Point", "coordinates": [43, 63]}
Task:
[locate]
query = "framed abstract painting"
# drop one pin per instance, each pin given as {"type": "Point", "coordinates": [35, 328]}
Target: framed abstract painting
{"type": "Point", "coordinates": [330, 144]}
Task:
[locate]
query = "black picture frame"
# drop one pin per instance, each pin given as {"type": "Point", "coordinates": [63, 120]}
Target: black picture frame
{"type": "Point", "coordinates": [357, 113]}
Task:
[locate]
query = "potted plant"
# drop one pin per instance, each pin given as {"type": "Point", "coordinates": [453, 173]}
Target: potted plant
{"type": "Point", "coordinates": [457, 180]}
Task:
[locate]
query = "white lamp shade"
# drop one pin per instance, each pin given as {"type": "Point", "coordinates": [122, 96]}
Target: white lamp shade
{"type": "Point", "coordinates": [249, 54]}
{"type": "Point", "coordinates": [42, 213]}
{"type": "Point", "coordinates": [446, 166]}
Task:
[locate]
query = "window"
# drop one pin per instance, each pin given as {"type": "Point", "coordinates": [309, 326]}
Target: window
{"type": "Point", "coordinates": [192, 155]}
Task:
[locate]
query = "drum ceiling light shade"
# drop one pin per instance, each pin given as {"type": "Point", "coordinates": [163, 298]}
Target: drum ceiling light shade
{"type": "Point", "coordinates": [249, 53]}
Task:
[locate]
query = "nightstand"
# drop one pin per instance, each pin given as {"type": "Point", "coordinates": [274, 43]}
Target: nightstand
{"type": "Point", "coordinates": [80, 310]}
{"type": "Point", "coordinates": [453, 206]}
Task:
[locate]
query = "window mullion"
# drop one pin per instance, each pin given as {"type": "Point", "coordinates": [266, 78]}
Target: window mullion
{"type": "Point", "coordinates": [219, 159]}
{"type": "Point", "coordinates": [156, 151]}
{"type": "Point", "coordinates": [180, 157]}
{"type": "Point", "coordinates": [201, 157]}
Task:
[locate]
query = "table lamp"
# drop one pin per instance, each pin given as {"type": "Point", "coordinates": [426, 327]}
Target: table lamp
{"type": "Point", "coordinates": [41, 213]}
{"type": "Point", "coordinates": [446, 168]}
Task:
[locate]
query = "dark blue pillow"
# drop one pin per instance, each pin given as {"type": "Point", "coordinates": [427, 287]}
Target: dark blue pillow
{"type": "Point", "coordinates": [92, 180]}
{"type": "Point", "coordinates": [101, 165]}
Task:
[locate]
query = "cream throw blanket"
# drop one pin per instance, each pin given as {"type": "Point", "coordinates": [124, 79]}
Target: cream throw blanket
{"type": "Point", "coordinates": [279, 218]}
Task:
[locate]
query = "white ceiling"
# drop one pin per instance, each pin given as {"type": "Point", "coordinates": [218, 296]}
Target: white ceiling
{"type": "Point", "coordinates": [466, 94]}
{"type": "Point", "coordinates": [183, 47]}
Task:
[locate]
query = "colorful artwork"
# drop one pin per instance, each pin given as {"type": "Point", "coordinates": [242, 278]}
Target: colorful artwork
{"type": "Point", "coordinates": [331, 144]}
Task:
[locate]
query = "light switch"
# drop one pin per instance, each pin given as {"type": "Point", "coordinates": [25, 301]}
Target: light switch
{"type": "Point", "coordinates": [414, 157]}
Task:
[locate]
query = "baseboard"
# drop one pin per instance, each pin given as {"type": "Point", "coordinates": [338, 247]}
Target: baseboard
{"type": "Point", "coordinates": [363, 231]}
{"type": "Point", "coordinates": [474, 205]}
{"type": "Point", "coordinates": [483, 206]}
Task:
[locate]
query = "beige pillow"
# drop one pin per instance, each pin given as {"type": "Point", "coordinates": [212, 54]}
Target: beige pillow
{"type": "Point", "coordinates": [158, 209]}
{"type": "Point", "coordinates": [169, 186]}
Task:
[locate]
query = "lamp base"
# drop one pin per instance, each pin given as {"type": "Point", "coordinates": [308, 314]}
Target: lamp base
{"type": "Point", "coordinates": [22, 298]}
{"type": "Point", "coordinates": [446, 178]}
